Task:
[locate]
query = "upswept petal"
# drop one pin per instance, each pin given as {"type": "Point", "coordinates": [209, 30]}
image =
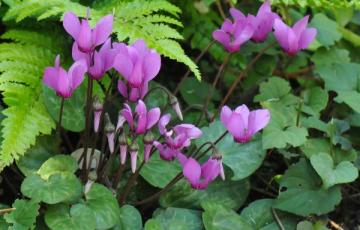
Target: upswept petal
{"type": "Point", "coordinates": [103, 29]}
{"type": "Point", "coordinates": [122, 88]}
{"type": "Point", "coordinates": [151, 65]}
{"type": "Point", "coordinates": [192, 171]}
{"type": "Point", "coordinates": [236, 14]}
{"type": "Point", "coordinates": [78, 55]}
{"type": "Point", "coordinates": [258, 119]}
{"type": "Point", "coordinates": [225, 115]}
{"type": "Point", "coordinates": [221, 37]}
{"type": "Point", "coordinates": [300, 25]}
{"type": "Point", "coordinates": [152, 117]}
{"type": "Point", "coordinates": [164, 120]}
{"type": "Point", "coordinates": [71, 24]}
{"type": "Point", "coordinates": [281, 33]}
{"type": "Point", "coordinates": [307, 37]}
{"type": "Point", "coordinates": [76, 73]}
{"type": "Point", "coordinates": [84, 38]}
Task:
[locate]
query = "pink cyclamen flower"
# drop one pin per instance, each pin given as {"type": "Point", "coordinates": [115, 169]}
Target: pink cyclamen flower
{"type": "Point", "coordinates": [243, 124]}
{"type": "Point", "coordinates": [101, 62]}
{"type": "Point", "coordinates": [85, 37]}
{"type": "Point", "coordinates": [200, 176]}
{"type": "Point", "coordinates": [142, 120]}
{"type": "Point", "coordinates": [293, 39]}
{"type": "Point", "coordinates": [233, 34]}
{"type": "Point", "coordinates": [263, 21]}
{"type": "Point", "coordinates": [64, 83]}
{"type": "Point", "coordinates": [138, 65]}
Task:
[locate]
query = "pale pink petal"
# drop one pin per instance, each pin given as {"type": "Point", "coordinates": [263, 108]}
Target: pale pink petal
{"type": "Point", "coordinates": [133, 156]}
{"type": "Point", "coordinates": [71, 24]}
{"type": "Point", "coordinates": [244, 111]}
{"type": "Point", "coordinates": [50, 77]}
{"type": "Point", "coordinates": [236, 126]}
{"type": "Point", "coordinates": [152, 63]}
{"type": "Point", "coordinates": [76, 73]}
{"type": "Point", "coordinates": [111, 141]}
{"type": "Point", "coordinates": [225, 115]}
{"type": "Point", "coordinates": [147, 151]}
{"type": "Point", "coordinates": [227, 26]}
{"type": "Point", "coordinates": [152, 117]}
{"type": "Point", "coordinates": [127, 113]}
{"type": "Point", "coordinates": [103, 29]}
{"type": "Point", "coordinates": [258, 119]}
{"type": "Point", "coordinates": [181, 158]}
{"type": "Point", "coordinates": [123, 64]}
{"type": "Point", "coordinates": [123, 153]}
{"type": "Point", "coordinates": [63, 84]}
{"type": "Point", "coordinates": [122, 88]}
{"type": "Point", "coordinates": [164, 120]}
{"type": "Point", "coordinates": [307, 37]}
{"type": "Point", "coordinates": [221, 37]}
{"type": "Point", "coordinates": [97, 71]}
{"type": "Point", "coordinates": [300, 25]}
{"type": "Point", "coordinates": [264, 8]}
{"type": "Point", "coordinates": [236, 14]}
{"type": "Point", "coordinates": [192, 171]}
{"type": "Point", "coordinates": [281, 33]}
{"type": "Point", "coordinates": [78, 55]}
{"type": "Point", "coordinates": [210, 169]}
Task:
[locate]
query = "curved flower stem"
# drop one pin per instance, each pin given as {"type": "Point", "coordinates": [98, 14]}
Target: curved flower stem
{"type": "Point", "coordinates": [178, 177]}
{"type": "Point", "coordinates": [278, 221]}
{"type": "Point", "coordinates": [60, 115]}
{"type": "Point", "coordinates": [221, 11]}
{"type": "Point", "coordinates": [177, 89]}
{"type": "Point", "coordinates": [243, 74]}
{"type": "Point", "coordinates": [202, 146]}
{"type": "Point", "coordinates": [212, 88]}
{"type": "Point", "coordinates": [87, 127]}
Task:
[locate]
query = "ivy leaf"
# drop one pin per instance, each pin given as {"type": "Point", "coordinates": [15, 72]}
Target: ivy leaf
{"type": "Point", "coordinates": [274, 89]}
{"type": "Point", "coordinates": [315, 100]}
{"type": "Point", "coordinates": [58, 164]}
{"type": "Point", "coordinates": [196, 92]}
{"type": "Point", "coordinates": [351, 98]}
{"type": "Point", "coordinates": [58, 188]}
{"type": "Point", "coordinates": [153, 224]}
{"type": "Point", "coordinates": [24, 215]}
{"type": "Point", "coordinates": [73, 117]}
{"type": "Point", "coordinates": [130, 218]}
{"type": "Point", "coordinates": [218, 217]}
{"type": "Point", "coordinates": [301, 192]}
{"type": "Point", "coordinates": [344, 172]}
{"type": "Point", "coordinates": [76, 217]}
{"type": "Point", "coordinates": [242, 159]}
{"type": "Point", "coordinates": [104, 206]}
{"type": "Point", "coordinates": [178, 219]}
{"type": "Point", "coordinates": [331, 55]}
{"type": "Point", "coordinates": [327, 33]}
{"type": "Point", "coordinates": [159, 172]}
{"type": "Point", "coordinates": [231, 194]}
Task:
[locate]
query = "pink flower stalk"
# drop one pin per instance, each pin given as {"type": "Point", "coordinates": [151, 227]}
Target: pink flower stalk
{"type": "Point", "coordinates": [64, 83]}
{"type": "Point", "coordinates": [233, 35]}
{"type": "Point", "coordinates": [293, 39]}
{"type": "Point", "coordinates": [85, 37]}
{"type": "Point", "coordinates": [176, 139]}
{"type": "Point", "coordinates": [243, 124]}
{"type": "Point", "coordinates": [138, 65]}
{"type": "Point", "coordinates": [142, 120]}
{"type": "Point", "coordinates": [101, 61]}
{"type": "Point", "coordinates": [120, 122]}
{"type": "Point", "coordinates": [200, 176]}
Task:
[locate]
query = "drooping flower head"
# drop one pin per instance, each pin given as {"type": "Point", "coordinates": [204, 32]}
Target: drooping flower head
{"type": "Point", "coordinates": [64, 83]}
{"type": "Point", "coordinates": [85, 37]}
{"type": "Point", "coordinates": [293, 39]}
{"type": "Point", "coordinates": [263, 22]}
{"type": "Point", "coordinates": [200, 176]}
{"type": "Point", "coordinates": [138, 65]}
{"type": "Point", "coordinates": [243, 124]}
{"type": "Point", "coordinates": [101, 62]}
{"type": "Point", "coordinates": [142, 120]}
{"type": "Point", "coordinates": [233, 34]}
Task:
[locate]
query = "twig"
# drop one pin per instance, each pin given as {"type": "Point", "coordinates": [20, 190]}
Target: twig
{"type": "Point", "coordinates": [278, 221]}
{"type": "Point", "coordinates": [335, 225]}
{"type": "Point", "coordinates": [6, 210]}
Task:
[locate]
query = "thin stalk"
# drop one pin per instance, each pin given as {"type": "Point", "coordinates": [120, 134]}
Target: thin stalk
{"type": "Point", "coordinates": [6, 210]}
{"type": "Point", "coordinates": [278, 221]}
{"type": "Point", "coordinates": [87, 127]}
{"type": "Point", "coordinates": [221, 11]}
{"type": "Point", "coordinates": [197, 59]}
{"type": "Point", "coordinates": [177, 177]}
{"type": "Point", "coordinates": [60, 115]}
{"type": "Point", "coordinates": [243, 74]}
{"type": "Point", "coordinates": [118, 175]}
{"type": "Point", "coordinates": [212, 88]}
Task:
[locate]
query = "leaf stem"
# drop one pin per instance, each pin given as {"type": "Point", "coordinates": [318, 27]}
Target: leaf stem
{"type": "Point", "coordinates": [278, 221]}
{"type": "Point", "coordinates": [6, 210]}
{"type": "Point", "coordinates": [60, 115]}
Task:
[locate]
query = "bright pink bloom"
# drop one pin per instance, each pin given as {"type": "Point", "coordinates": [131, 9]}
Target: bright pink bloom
{"type": "Point", "coordinates": [101, 62]}
{"type": "Point", "coordinates": [293, 39]}
{"type": "Point", "coordinates": [138, 65]}
{"type": "Point", "coordinates": [263, 22]}
{"type": "Point", "coordinates": [142, 120]}
{"type": "Point", "coordinates": [233, 35]}
{"type": "Point", "coordinates": [64, 83]}
{"type": "Point", "coordinates": [85, 37]}
{"type": "Point", "coordinates": [200, 176]}
{"type": "Point", "coordinates": [242, 123]}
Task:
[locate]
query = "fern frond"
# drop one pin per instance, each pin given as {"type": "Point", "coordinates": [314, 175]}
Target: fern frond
{"type": "Point", "coordinates": [326, 4]}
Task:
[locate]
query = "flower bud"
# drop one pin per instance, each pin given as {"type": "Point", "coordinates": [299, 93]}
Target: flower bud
{"type": "Point", "coordinates": [176, 106]}
{"type": "Point", "coordinates": [110, 132]}
{"type": "Point", "coordinates": [98, 108]}
{"type": "Point", "coordinates": [217, 156]}
{"type": "Point", "coordinates": [120, 122]}
{"type": "Point", "coordinates": [148, 144]}
{"type": "Point", "coordinates": [134, 149]}
{"type": "Point", "coordinates": [123, 147]}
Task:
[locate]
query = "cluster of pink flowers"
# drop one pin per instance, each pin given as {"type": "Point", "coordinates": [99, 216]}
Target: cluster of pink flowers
{"type": "Point", "coordinates": [233, 34]}
{"type": "Point", "coordinates": [94, 53]}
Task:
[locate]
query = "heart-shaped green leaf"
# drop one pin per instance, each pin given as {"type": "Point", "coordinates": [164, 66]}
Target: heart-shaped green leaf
{"type": "Point", "coordinates": [58, 164]}
{"type": "Point", "coordinates": [58, 188]}
{"type": "Point", "coordinates": [78, 217]}
{"type": "Point", "coordinates": [130, 218]}
{"type": "Point", "coordinates": [178, 218]}
{"type": "Point", "coordinates": [24, 216]}
{"type": "Point", "coordinates": [344, 172]}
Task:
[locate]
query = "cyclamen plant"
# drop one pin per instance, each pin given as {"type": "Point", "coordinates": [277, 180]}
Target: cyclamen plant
{"type": "Point", "coordinates": [96, 55]}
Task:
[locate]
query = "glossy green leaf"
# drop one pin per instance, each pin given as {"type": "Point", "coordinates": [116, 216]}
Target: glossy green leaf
{"type": "Point", "coordinates": [73, 117]}
{"type": "Point", "coordinates": [327, 32]}
{"type": "Point", "coordinates": [302, 194]}
{"type": "Point", "coordinates": [24, 215]}
{"type": "Point", "coordinates": [104, 206]}
{"type": "Point", "coordinates": [178, 219]}
{"type": "Point", "coordinates": [351, 98]}
{"type": "Point", "coordinates": [242, 159]}
{"type": "Point", "coordinates": [344, 172]}
{"type": "Point", "coordinates": [315, 100]}
{"type": "Point", "coordinates": [231, 194]}
{"type": "Point", "coordinates": [153, 224]}
{"type": "Point", "coordinates": [274, 89]}
{"type": "Point", "coordinates": [58, 164]}
{"type": "Point", "coordinates": [196, 92]}
{"type": "Point", "coordinates": [130, 218]}
{"type": "Point", "coordinates": [76, 217]}
{"type": "Point", "coordinates": [58, 188]}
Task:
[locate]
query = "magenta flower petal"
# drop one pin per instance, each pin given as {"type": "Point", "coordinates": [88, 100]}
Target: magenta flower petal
{"type": "Point", "coordinates": [152, 117]}
{"type": "Point", "coordinates": [307, 37]}
{"type": "Point", "coordinates": [222, 37]}
{"type": "Point", "coordinates": [236, 14]}
{"type": "Point", "coordinates": [97, 115]}
{"type": "Point", "coordinates": [147, 151]}
{"type": "Point", "coordinates": [122, 88]}
{"type": "Point", "coordinates": [122, 62]}
{"type": "Point", "coordinates": [181, 158]}
{"type": "Point", "coordinates": [127, 113]}
{"type": "Point", "coordinates": [71, 24]}
{"type": "Point", "coordinates": [76, 73]}
{"type": "Point", "coordinates": [84, 38]}
{"type": "Point", "coordinates": [192, 171]}
{"type": "Point", "coordinates": [258, 119]}
{"type": "Point", "coordinates": [210, 169]}
{"type": "Point", "coordinates": [300, 25]}
{"type": "Point", "coordinates": [78, 55]}
{"type": "Point", "coordinates": [225, 115]}
{"type": "Point", "coordinates": [152, 63]}
{"type": "Point", "coordinates": [103, 29]}
{"type": "Point", "coordinates": [164, 120]}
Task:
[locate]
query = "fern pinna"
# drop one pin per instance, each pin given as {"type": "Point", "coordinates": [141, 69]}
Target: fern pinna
{"type": "Point", "coordinates": [26, 52]}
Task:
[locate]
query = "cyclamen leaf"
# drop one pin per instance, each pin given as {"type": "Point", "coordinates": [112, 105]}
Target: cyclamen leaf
{"type": "Point", "coordinates": [24, 215]}
{"type": "Point", "coordinates": [130, 218]}
{"type": "Point", "coordinates": [183, 219]}
{"type": "Point", "coordinates": [351, 98]}
{"type": "Point", "coordinates": [315, 100]}
{"type": "Point", "coordinates": [57, 164]}
{"type": "Point", "coordinates": [328, 33]}
{"type": "Point", "coordinates": [275, 88]}
{"type": "Point", "coordinates": [344, 172]}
